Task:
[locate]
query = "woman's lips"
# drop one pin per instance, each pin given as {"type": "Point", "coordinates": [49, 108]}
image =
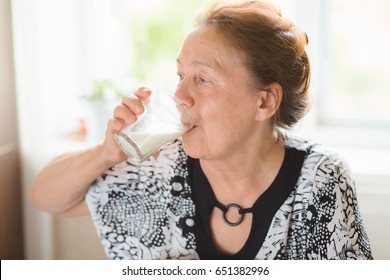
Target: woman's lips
{"type": "Point", "coordinates": [189, 127]}
{"type": "Point", "coordinates": [187, 123]}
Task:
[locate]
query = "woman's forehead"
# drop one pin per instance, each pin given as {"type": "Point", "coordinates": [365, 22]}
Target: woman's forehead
{"type": "Point", "coordinates": [205, 46]}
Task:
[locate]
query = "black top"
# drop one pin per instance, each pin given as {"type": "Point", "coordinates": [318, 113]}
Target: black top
{"type": "Point", "coordinates": [263, 209]}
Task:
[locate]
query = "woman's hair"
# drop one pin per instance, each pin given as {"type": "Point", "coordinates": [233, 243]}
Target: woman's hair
{"type": "Point", "coordinates": [275, 50]}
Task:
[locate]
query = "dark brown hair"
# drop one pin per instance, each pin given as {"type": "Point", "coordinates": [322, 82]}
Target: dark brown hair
{"type": "Point", "coordinates": [275, 50]}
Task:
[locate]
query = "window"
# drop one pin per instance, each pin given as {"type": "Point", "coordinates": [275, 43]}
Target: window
{"type": "Point", "coordinates": [358, 55]}
{"type": "Point", "coordinates": [348, 43]}
{"type": "Point", "coordinates": [146, 37]}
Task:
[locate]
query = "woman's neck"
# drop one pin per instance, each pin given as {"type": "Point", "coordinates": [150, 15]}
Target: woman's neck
{"type": "Point", "coordinates": [244, 175]}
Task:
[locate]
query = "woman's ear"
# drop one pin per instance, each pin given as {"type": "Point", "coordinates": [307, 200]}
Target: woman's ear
{"type": "Point", "coordinates": [269, 99]}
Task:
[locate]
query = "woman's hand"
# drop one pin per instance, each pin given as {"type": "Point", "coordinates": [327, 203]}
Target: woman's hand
{"type": "Point", "coordinates": [125, 113]}
{"type": "Point", "coordinates": [60, 187]}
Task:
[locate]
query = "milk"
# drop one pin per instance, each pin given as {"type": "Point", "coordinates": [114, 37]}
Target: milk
{"type": "Point", "coordinates": [159, 125]}
{"type": "Point", "coordinates": [140, 145]}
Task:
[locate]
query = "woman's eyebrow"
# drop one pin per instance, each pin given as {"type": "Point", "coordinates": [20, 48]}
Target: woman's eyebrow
{"type": "Point", "coordinates": [200, 63]}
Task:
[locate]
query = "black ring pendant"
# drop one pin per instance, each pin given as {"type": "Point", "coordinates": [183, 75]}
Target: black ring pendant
{"type": "Point", "coordinates": [226, 208]}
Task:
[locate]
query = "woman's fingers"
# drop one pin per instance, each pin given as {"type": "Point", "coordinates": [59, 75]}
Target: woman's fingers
{"type": "Point", "coordinates": [132, 106]}
{"type": "Point", "coordinates": [113, 126]}
{"type": "Point", "coordinates": [125, 113]}
{"type": "Point", "coordinates": [143, 93]}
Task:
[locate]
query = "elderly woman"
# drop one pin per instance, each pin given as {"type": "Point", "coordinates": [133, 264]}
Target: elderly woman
{"type": "Point", "coordinates": [235, 186]}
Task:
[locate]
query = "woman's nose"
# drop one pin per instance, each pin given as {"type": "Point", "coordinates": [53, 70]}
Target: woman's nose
{"type": "Point", "coordinates": [183, 95]}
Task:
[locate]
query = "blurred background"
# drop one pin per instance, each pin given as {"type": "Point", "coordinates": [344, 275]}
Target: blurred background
{"type": "Point", "coordinates": [65, 63]}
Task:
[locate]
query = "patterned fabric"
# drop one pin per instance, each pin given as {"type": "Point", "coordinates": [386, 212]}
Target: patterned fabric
{"type": "Point", "coordinates": [146, 211]}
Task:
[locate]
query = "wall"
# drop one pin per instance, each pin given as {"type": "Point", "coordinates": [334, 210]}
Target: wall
{"type": "Point", "coordinates": [11, 233]}
{"type": "Point", "coordinates": [374, 196]}
{"type": "Point", "coordinates": [76, 239]}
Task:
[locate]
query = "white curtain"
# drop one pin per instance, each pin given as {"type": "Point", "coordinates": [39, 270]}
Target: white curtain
{"type": "Point", "coordinates": [59, 47]}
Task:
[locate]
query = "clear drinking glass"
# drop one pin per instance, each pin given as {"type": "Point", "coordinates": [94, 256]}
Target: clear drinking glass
{"type": "Point", "coordinates": [160, 124]}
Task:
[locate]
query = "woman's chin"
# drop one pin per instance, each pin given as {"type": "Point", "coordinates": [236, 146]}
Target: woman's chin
{"type": "Point", "coordinates": [191, 146]}
{"type": "Point", "coordinates": [189, 135]}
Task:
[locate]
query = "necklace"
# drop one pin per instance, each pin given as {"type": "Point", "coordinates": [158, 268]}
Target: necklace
{"type": "Point", "coordinates": [241, 212]}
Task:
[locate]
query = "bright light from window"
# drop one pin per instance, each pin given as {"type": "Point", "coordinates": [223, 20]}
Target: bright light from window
{"type": "Point", "coordinates": [156, 29]}
{"type": "Point", "coordinates": [359, 61]}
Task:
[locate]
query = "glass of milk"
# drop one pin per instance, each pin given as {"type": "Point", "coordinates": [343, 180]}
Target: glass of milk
{"type": "Point", "coordinates": [159, 125]}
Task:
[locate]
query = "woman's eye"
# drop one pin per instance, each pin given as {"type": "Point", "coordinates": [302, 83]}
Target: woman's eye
{"type": "Point", "coordinates": [180, 76]}
{"type": "Point", "coordinates": [202, 80]}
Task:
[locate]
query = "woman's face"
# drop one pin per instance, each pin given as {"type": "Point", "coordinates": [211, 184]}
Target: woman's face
{"type": "Point", "coordinates": [219, 95]}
